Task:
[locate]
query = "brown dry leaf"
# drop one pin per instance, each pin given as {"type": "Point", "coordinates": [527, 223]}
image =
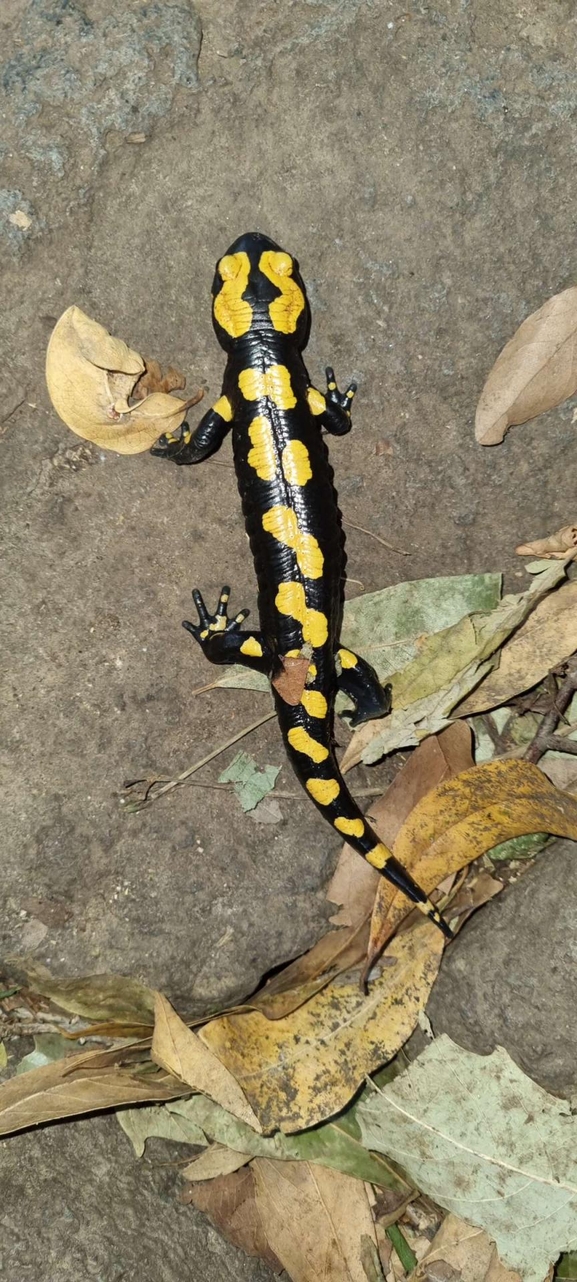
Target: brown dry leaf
{"type": "Point", "coordinates": [536, 370]}
{"type": "Point", "coordinates": [181, 1052]}
{"type": "Point", "coordinates": [468, 815]}
{"type": "Point", "coordinates": [290, 681]}
{"type": "Point", "coordinates": [229, 1201]}
{"type": "Point", "coordinates": [555, 547]}
{"type": "Point", "coordinates": [437, 759]}
{"type": "Point", "coordinates": [547, 637]}
{"type": "Point", "coordinates": [473, 895]}
{"type": "Point", "coordinates": [153, 380]}
{"type": "Point", "coordinates": [81, 1084]}
{"type": "Point", "coordinates": [90, 376]}
{"type": "Point", "coordinates": [299, 1070]}
{"type": "Point", "coordinates": [335, 953]}
{"type": "Point", "coordinates": [314, 1219]}
{"type": "Point", "coordinates": [466, 1250]}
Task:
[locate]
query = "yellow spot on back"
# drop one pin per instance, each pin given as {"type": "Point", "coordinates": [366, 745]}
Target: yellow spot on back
{"type": "Point", "coordinates": [302, 742]}
{"type": "Point", "coordinates": [323, 790]}
{"type": "Point", "coordinates": [348, 659]}
{"type": "Point", "coordinates": [231, 311]}
{"type": "Point", "coordinates": [224, 408]}
{"type": "Point", "coordinates": [282, 523]}
{"type": "Point", "coordinates": [316, 400]}
{"type": "Point", "coordinates": [262, 456]}
{"type": "Point", "coordinates": [314, 703]}
{"type": "Point", "coordinates": [350, 827]}
{"type": "Point", "coordinates": [275, 382]}
{"type": "Point", "coordinates": [290, 600]}
{"type": "Point", "coordinates": [378, 856]}
{"type": "Point", "coordinates": [296, 463]}
{"type": "Point", "coordinates": [252, 646]}
{"type": "Point", "coordinates": [312, 672]}
{"type": "Point", "coordinates": [285, 310]}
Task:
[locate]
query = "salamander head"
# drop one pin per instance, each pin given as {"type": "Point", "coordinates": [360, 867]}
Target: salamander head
{"type": "Point", "coordinates": [258, 290]}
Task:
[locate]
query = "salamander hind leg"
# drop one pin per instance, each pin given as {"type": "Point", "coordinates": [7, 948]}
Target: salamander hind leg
{"type": "Point", "coordinates": [359, 681]}
{"type": "Point", "coordinates": [221, 639]}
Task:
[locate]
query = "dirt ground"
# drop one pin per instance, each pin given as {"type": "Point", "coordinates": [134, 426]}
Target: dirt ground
{"type": "Point", "coordinates": [419, 163]}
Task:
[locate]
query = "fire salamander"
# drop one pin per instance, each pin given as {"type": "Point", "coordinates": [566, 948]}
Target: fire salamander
{"type": "Point", "coordinates": [261, 317]}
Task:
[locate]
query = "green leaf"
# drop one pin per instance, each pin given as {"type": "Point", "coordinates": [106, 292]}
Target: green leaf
{"type": "Point", "coordinates": [115, 997]}
{"type": "Point", "coordinates": [3, 1056]}
{"type": "Point", "coordinates": [333, 1144]}
{"type": "Point", "coordinates": [519, 847]}
{"type": "Point", "coordinates": [48, 1047]}
{"type": "Point", "coordinates": [446, 667]}
{"type": "Point", "coordinates": [406, 1255]}
{"type": "Point", "coordinates": [384, 626]}
{"type": "Point", "coordinates": [566, 1270]}
{"type": "Point", "coordinates": [485, 1142]}
{"type": "Point", "coordinates": [250, 783]}
{"type": "Point", "coordinates": [141, 1124]}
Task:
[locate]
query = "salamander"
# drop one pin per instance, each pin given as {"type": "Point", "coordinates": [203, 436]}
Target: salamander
{"type": "Point", "coordinates": [278, 420]}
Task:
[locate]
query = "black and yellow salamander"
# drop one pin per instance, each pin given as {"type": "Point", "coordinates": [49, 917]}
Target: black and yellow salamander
{"type": "Point", "coordinates": [261, 317]}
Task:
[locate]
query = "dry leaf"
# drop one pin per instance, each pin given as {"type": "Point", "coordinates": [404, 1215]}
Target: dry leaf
{"type": "Point", "coordinates": [314, 1220]}
{"type": "Point", "coordinates": [467, 1250]}
{"type": "Point", "coordinates": [473, 895]}
{"type": "Point", "coordinates": [536, 370]}
{"type": "Point", "coordinates": [216, 1161]}
{"type": "Point", "coordinates": [468, 815]}
{"type": "Point", "coordinates": [555, 546]}
{"type": "Point", "coordinates": [181, 1052]}
{"type": "Point", "coordinates": [437, 759]}
{"type": "Point", "coordinates": [90, 376]}
{"type": "Point", "coordinates": [333, 954]}
{"type": "Point", "coordinates": [229, 1202]}
{"type": "Point", "coordinates": [547, 637]}
{"type": "Point", "coordinates": [116, 998]}
{"type": "Point", "coordinates": [447, 666]}
{"type": "Point", "coordinates": [153, 380]}
{"type": "Point", "coordinates": [81, 1084]}
{"type": "Point", "coordinates": [290, 681]}
{"type": "Point", "coordinates": [299, 1070]}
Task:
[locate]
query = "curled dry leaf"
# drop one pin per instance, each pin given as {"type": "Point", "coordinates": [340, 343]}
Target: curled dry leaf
{"type": "Point", "coordinates": [91, 376]}
{"type": "Point", "coordinates": [536, 370]}
{"type": "Point", "coordinates": [299, 1070]}
{"type": "Point", "coordinates": [555, 547]}
{"type": "Point", "coordinates": [181, 1052]}
{"type": "Point", "coordinates": [467, 816]}
{"type": "Point", "coordinates": [437, 759]}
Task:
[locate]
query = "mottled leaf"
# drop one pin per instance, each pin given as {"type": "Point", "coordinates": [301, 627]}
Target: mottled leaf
{"type": "Point", "coordinates": [299, 1070]}
{"type": "Point", "coordinates": [250, 783]}
{"type": "Point", "coordinates": [488, 1144]}
{"type": "Point", "coordinates": [142, 1124]}
{"type": "Point", "coordinates": [110, 997]}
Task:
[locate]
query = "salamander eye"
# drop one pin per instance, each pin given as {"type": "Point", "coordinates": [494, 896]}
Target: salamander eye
{"type": "Point", "coordinates": [281, 263]}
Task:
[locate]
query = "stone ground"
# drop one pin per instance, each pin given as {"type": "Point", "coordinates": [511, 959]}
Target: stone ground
{"type": "Point", "coordinates": [418, 161]}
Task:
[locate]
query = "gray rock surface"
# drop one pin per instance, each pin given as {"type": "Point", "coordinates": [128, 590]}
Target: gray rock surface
{"type": "Point", "coordinates": [418, 163]}
{"type": "Point", "coordinates": [510, 978]}
{"type": "Point", "coordinates": [76, 1206]}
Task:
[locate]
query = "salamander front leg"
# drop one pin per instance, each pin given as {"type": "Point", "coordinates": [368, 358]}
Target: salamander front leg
{"type": "Point", "coordinates": [359, 681]}
{"type": "Point", "coordinates": [334, 408]}
{"type": "Point", "coordinates": [221, 639]}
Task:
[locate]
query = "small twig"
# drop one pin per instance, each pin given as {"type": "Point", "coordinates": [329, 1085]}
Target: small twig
{"type": "Point", "coordinates": [134, 806]}
{"type": "Point", "coordinates": [371, 535]}
{"type": "Point", "coordinates": [542, 741]}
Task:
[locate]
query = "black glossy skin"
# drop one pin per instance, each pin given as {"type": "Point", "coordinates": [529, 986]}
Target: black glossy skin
{"type": "Point", "coordinates": [307, 502]}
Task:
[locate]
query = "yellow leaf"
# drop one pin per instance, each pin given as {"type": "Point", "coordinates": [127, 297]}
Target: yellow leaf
{"type": "Point", "coordinates": [301, 1069]}
{"type": "Point", "coordinates": [182, 1053]}
{"type": "Point", "coordinates": [468, 1251]}
{"type": "Point", "coordinates": [90, 376]}
{"type": "Point", "coordinates": [468, 815]}
{"type": "Point", "coordinates": [314, 1220]}
{"type": "Point", "coordinates": [536, 370]}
